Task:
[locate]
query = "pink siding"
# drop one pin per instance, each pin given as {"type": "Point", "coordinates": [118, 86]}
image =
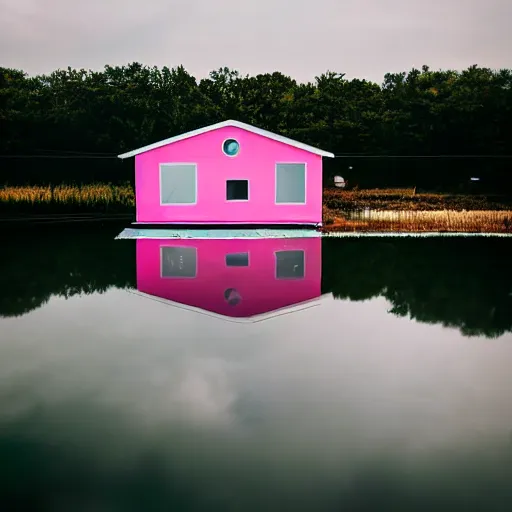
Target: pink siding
{"type": "Point", "coordinates": [260, 290]}
{"type": "Point", "coordinates": [255, 162]}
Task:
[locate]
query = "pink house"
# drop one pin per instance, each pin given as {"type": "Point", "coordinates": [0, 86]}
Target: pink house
{"type": "Point", "coordinates": [238, 278]}
{"type": "Point", "coordinates": [228, 173]}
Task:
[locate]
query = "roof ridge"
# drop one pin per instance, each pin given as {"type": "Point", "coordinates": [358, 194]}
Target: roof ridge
{"type": "Point", "coordinates": [228, 122]}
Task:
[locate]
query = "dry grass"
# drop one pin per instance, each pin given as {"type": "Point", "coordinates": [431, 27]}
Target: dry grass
{"type": "Point", "coordinates": [364, 216]}
{"type": "Point", "coordinates": [421, 221]}
{"type": "Point", "coordinates": [408, 199]}
{"type": "Point", "coordinates": [98, 196]}
{"type": "Point", "coordinates": [406, 211]}
{"type": "Point", "coordinates": [372, 192]}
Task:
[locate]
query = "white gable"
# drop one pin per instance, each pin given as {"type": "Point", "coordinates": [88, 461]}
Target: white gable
{"type": "Point", "coordinates": [223, 124]}
{"type": "Point", "coordinates": [293, 308]}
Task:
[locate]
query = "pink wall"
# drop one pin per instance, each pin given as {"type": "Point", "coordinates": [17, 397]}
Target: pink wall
{"type": "Point", "coordinates": [255, 162]}
{"type": "Point", "coordinates": [256, 284]}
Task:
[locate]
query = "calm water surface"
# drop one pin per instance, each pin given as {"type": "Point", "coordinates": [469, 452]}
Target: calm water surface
{"type": "Point", "coordinates": [342, 374]}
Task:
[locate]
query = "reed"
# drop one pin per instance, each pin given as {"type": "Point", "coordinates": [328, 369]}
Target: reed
{"type": "Point", "coordinates": [371, 192]}
{"type": "Point", "coordinates": [97, 197]}
{"type": "Point", "coordinates": [422, 221]}
{"type": "Point", "coordinates": [365, 214]}
{"type": "Point", "coordinates": [409, 199]}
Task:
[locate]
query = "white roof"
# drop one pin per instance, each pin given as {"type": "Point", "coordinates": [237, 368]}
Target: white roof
{"type": "Point", "coordinates": [237, 124]}
{"type": "Point", "coordinates": [293, 308]}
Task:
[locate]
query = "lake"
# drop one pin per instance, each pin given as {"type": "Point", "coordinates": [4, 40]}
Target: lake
{"type": "Point", "coordinates": [361, 374]}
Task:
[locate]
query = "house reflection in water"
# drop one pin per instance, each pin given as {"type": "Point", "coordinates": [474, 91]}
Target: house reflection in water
{"type": "Point", "coordinates": [239, 278]}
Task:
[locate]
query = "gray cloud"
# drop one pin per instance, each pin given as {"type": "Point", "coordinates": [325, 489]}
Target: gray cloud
{"type": "Point", "coordinates": [363, 38]}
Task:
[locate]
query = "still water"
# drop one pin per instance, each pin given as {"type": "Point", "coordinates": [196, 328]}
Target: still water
{"type": "Point", "coordinates": [267, 375]}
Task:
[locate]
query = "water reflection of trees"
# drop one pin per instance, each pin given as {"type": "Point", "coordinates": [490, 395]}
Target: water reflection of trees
{"type": "Point", "coordinates": [457, 282]}
{"type": "Point", "coordinates": [39, 263]}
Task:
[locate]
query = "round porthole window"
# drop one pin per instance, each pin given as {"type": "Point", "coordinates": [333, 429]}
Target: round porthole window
{"type": "Point", "coordinates": [231, 147]}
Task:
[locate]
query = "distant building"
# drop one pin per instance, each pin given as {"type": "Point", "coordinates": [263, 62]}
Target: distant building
{"type": "Point", "coordinates": [339, 182]}
{"type": "Point", "coordinates": [228, 173]}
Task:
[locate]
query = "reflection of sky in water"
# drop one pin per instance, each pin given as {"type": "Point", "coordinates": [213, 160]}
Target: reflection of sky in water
{"type": "Point", "coordinates": [310, 405]}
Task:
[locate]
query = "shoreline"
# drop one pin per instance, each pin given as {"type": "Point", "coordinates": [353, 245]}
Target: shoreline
{"type": "Point", "coordinates": [418, 234]}
{"type": "Point", "coordinates": [343, 211]}
{"type": "Point", "coordinates": [419, 221]}
{"type": "Point", "coordinates": [342, 228]}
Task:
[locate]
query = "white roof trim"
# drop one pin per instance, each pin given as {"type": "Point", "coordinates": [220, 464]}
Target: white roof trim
{"type": "Point", "coordinates": [237, 124]}
{"type": "Point", "coordinates": [293, 308]}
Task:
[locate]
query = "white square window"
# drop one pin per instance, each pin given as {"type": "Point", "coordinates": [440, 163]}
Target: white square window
{"type": "Point", "coordinates": [291, 183]}
{"type": "Point", "coordinates": [178, 184]}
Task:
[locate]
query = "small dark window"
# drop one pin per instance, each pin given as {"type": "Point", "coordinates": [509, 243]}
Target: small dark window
{"type": "Point", "coordinates": [240, 259]}
{"type": "Point", "coordinates": [237, 190]}
{"type": "Point", "coordinates": [290, 264]}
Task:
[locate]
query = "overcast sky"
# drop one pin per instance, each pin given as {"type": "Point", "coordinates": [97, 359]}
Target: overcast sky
{"type": "Point", "coordinates": [362, 38]}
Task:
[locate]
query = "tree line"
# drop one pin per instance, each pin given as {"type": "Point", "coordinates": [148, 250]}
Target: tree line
{"type": "Point", "coordinates": [103, 113]}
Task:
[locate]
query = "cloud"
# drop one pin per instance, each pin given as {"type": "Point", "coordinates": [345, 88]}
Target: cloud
{"type": "Point", "coordinates": [363, 38]}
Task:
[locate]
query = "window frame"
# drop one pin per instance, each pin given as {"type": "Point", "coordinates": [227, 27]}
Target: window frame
{"type": "Point", "coordinates": [305, 183]}
{"type": "Point", "coordinates": [176, 164]}
{"type": "Point", "coordinates": [238, 200]}
{"type": "Point", "coordinates": [239, 147]}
